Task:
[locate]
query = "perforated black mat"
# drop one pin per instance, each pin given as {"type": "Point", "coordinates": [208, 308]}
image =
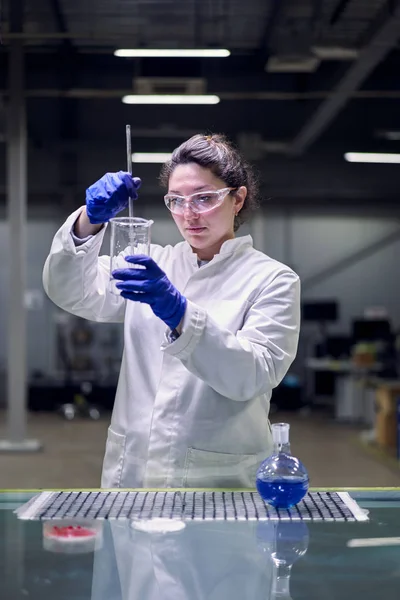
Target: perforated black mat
{"type": "Point", "coordinates": [191, 505]}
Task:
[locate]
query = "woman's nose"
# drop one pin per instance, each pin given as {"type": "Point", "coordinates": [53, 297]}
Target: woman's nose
{"type": "Point", "coordinates": [188, 211]}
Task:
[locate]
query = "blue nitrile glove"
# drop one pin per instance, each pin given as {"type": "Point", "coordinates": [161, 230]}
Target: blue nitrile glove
{"type": "Point", "coordinates": [152, 286]}
{"type": "Point", "coordinates": [109, 195]}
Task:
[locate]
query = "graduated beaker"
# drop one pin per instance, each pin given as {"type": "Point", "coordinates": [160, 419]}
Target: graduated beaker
{"type": "Point", "coordinates": [129, 236]}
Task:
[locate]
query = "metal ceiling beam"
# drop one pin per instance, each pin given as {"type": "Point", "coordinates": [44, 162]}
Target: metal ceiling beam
{"type": "Point", "coordinates": [338, 11]}
{"type": "Point", "coordinates": [270, 23]}
{"type": "Point", "coordinates": [381, 43]}
{"type": "Point", "coordinates": [57, 35]}
{"type": "Point", "coordinates": [60, 22]}
{"type": "Point", "coordinates": [58, 16]}
{"type": "Point", "coordinates": [67, 50]}
{"type": "Point", "coordinates": [316, 17]}
{"type": "Point", "coordinates": [110, 94]}
{"type": "Point", "coordinates": [15, 16]}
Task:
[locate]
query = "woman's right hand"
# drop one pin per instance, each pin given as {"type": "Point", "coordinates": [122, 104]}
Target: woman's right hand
{"type": "Point", "coordinates": [109, 195]}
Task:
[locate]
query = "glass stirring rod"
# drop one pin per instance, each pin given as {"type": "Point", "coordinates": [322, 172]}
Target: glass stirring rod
{"type": "Point", "coordinates": [129, 161]}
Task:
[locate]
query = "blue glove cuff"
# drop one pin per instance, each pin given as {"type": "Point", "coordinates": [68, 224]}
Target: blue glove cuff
{"type": "Point", "coordinates": [173, 321]}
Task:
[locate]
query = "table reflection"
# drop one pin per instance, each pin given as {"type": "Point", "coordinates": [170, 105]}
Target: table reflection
{"type": "Point", "coordinates": [201, 560]}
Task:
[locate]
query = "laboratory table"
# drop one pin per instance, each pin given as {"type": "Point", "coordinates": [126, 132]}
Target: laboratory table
{"type": "Point", "coordinates": [213, 560]}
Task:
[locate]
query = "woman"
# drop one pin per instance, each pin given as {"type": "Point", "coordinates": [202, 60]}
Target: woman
{"type": "Point", "coordinates": [214, 330]}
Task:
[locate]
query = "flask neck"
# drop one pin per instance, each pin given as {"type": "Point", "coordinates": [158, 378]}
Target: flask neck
{"type": "Point", "coordinates": [280, 437]}
{"type": "Point", "coordinates": [281, 582]}
{"type": "Point", "coordinates": [278, 448]}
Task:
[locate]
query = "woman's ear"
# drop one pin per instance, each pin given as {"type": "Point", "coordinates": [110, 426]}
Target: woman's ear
{"type": "Point", "coordinates": [240, 197]}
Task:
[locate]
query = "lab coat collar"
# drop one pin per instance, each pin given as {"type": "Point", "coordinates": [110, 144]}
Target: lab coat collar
{"type": "Point", "coordinates": [229, 247]}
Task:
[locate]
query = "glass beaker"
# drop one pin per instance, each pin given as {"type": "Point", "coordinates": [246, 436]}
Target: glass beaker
{"type": "Point", "coordinates": [129, 236]}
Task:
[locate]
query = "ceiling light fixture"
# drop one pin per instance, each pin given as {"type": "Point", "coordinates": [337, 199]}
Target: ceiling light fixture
{"type": "Point", "coordinates": [372, 157]}
{"type": "Point", "coordinates": [335, 52]}
{"type": "Point", "coordinates": [172, 53]}
{"type": "Point", "coordinates": [373, 542]}
{"type": "Point", "coordinates": [170, 99]}
{"type": "Point", "coordinates": [150, 157]}
{"type": "Point", "coordinates": [392, 136]}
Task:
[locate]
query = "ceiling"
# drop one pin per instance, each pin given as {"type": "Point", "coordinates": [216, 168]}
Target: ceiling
{"type": "Point", "coordinates": [306, 81]}
{"type": "Point", "coordinates": [197, 23]}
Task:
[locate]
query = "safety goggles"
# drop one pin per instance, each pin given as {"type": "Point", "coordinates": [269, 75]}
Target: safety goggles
{"type": "Point", "coordinates": [201, 202]}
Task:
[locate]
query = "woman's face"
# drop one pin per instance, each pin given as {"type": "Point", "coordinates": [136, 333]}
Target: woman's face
{"type": "Point", "coordinates": [205, 232]}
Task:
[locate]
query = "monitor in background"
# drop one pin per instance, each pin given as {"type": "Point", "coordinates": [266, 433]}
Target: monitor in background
{"type": "Point", "coordinates": [338, 346]}
{"type": "Point", "coordinates": [323, 310]}
{"type": "Point", "coordinates": [369, 330]}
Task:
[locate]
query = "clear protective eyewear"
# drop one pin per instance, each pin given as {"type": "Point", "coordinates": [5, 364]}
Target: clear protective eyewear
{"type": "Point", "coordinates": [200, 202]}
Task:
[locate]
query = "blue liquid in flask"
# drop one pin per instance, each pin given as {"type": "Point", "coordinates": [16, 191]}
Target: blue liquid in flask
{"type": "Point", "coordinates": [282, 480]}
{"type": "Point", "coordinates": [282, 494]}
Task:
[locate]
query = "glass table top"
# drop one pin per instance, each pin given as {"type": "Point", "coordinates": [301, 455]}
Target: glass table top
{"type": "Point", "coordinates": [204, 560]}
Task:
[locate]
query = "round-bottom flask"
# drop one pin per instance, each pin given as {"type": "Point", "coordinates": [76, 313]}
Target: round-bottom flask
{"type": "Point", "coordinates": [282, 479]}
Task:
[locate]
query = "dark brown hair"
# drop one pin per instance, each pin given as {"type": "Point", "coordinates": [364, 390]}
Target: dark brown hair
{"type": "Point", "coordinates": [217, 153]}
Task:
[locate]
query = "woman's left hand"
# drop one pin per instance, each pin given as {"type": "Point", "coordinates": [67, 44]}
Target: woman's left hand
{"type": "Point", "coordinates": [152, 286]}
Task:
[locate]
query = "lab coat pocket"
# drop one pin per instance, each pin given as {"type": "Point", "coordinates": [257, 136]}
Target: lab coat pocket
{"type": "Point", "coordinates": [220, 470]}
{"type": "Point", "coordinates": [113, 460]}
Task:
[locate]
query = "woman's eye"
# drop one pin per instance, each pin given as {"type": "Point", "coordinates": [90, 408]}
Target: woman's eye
{"type": "Point", "coordinates": [205, 198]}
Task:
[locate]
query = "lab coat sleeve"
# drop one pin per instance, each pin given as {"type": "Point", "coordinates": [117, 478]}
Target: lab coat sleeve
{"type": "Point", "coordinates": [253, 361]}
{"type": "Point", "coordinates": [76, 278]}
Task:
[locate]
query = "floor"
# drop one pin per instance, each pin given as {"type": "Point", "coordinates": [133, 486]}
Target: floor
{"type": "Point", "coordinates": [73, 451]}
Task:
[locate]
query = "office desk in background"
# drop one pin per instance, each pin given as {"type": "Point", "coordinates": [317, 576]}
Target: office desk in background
{"type": "Point", "coordinates": [353, 401]}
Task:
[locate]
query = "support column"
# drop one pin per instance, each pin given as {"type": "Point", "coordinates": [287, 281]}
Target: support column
{"type": "Point", "coordinates": [17, 201]}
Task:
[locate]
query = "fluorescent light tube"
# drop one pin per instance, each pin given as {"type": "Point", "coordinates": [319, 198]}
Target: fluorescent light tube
{"type": "Point", "coordinates": [373, 542]}
{"type": "Point", "coordinates": [150, 157]}
{"type": "Point", "coordinates": [172, 53]}
{"type": "Point", "coordinates": [170, 99]}
{"type": "Point", "coordinates": [372, 157]}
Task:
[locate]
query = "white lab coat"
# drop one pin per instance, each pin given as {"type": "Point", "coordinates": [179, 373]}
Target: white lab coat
{"type": "Point", "coordinates": [193, 412]}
